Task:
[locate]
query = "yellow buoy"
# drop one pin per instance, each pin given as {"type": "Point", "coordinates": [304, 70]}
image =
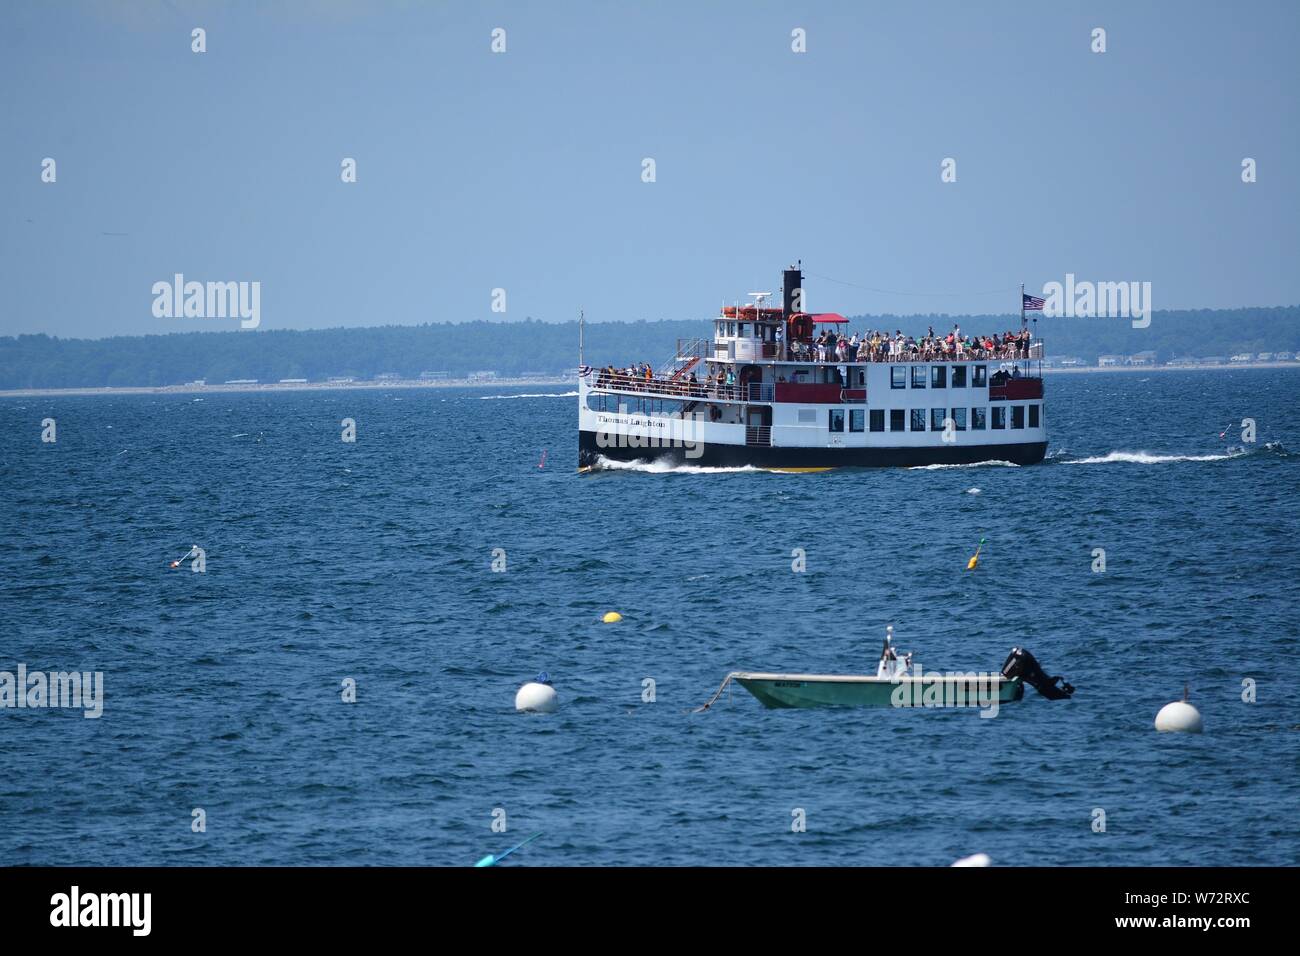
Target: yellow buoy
{"type": "Point", "coordinates": [613, 617]}
{"type": "Point", "coordinates": [970, 565]}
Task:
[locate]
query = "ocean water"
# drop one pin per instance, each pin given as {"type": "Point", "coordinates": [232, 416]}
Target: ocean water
{"type": "Point", "coordinates": [373, 561]}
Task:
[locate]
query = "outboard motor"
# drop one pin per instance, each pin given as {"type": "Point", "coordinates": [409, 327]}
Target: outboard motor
{"type": "Point", "coordinates": [1020, 663]}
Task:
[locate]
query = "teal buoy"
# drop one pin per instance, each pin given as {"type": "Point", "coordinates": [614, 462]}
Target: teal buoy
{"type": "Point", "coordinates": [491, 860]}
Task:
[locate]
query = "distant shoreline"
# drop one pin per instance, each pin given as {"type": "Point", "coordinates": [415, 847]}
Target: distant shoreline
{"type": "Point", "coordinates": [508, 382]}
{"type": "Point", "coordinates": [285, 387]}
{"type": "Point", "coordinates": [1225, 367]}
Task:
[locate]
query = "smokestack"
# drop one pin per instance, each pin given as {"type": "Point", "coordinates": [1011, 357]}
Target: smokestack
{"type": "Point", "coordinates": [792, 291]}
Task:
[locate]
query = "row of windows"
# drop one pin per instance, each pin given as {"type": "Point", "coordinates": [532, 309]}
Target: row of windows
{"type": "Point", "coordinates": [632, 405]}
{"type": "Point", "coordinates": [858, 419]}
{"type": "Point", "coordinates": [980, 418]}
{"type": "Point", "coordinates": [939, 377]}
{"type": "Point", "coordinates": [730, 330]}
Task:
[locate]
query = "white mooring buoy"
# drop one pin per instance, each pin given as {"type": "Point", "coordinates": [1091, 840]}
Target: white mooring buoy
{"type": "Point", "coordinates": [537, 696]}
{"type": "Point", "coordinates": [1179, 717]}
{"type": "Point", "coordinates": [979, 859]}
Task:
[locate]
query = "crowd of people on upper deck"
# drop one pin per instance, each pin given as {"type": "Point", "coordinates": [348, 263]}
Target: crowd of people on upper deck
{"type": "Point", "coordinates": [876, 346]}
{"type": "Point", "coordinates": [872, 346]}
{"type": "Point", "coordinates": [719, 384]}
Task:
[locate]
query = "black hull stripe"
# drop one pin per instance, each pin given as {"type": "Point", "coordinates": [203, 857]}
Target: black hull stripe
{"type": "Point", "coordinates": [738, 456]}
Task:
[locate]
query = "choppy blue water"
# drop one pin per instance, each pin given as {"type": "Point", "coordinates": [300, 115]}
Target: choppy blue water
{"type": "Point", "coordinates": [328, 560]}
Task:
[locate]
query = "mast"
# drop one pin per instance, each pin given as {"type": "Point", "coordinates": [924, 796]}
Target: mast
{"type": "Point", "coordinates": [581, 316]}
{"type": "Point", "coordinates": [1023, 323]}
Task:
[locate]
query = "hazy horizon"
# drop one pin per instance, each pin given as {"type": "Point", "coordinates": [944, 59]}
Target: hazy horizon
{"type": "Point", "coordinates": [856, 321]}
{"type": "Point", "coordinates": [523, 170]}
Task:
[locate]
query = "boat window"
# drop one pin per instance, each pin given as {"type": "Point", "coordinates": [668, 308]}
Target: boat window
{"type": "Point", "coordinates": [595, 401]}
{"type": "Point", "coordinates": [918, 376]}
{"type": "Point", "coordinates": [977, 418]}
{"type": "Point", "coordinates": [807, 416]}
{"type": "Point", "coordinates": [855, 419]}
{"type": "Point", "coordinates": [898, 376]}
{"type": "Point", "coordinates": [959, 419]}
{"type": "Point", "coordinates": [918, 419]}
{"type": "Point", "coordinates": [877, 419]}
{"type": "Point", "coordinates": [959, 376]}
{"type": "Point", "coordinates": [1017, 416]}
{"type": "Point", "coordinates": [897, 419]}
{"type": "Point", "coordinates": [937, 415]}
{"type": "Point", "coordinates": [980, 375]}
{"type": "Point", "coordinates": [938, 376]}
{"type": "Point", "coordinates": [1033, 416]}
{"type": "Point", "coordinates": [836, 420]}
{"type": "Point", "coordinates": [744, 330]}
{"type": "Point", "coordinates": [999, 416]}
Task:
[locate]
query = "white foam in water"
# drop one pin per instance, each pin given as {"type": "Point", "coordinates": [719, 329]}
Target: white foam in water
{"type": "Point", "coordinates": [488, 398]}
{"type": "Point", "coordinates": [662, 466]}
{"type": "Point", "coordinates": [972, 491]}
{"type": "Point", "coordinates": [1146, 458]}
{"type": "Point", "coordinates": [973, 464]}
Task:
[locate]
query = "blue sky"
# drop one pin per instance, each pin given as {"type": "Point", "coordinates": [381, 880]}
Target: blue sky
{"type": "Point", "coordinates": [523, 170]}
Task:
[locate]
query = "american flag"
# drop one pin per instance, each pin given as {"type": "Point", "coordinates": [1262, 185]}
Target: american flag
{"type": "Point", "coordinates": [1031, 303]}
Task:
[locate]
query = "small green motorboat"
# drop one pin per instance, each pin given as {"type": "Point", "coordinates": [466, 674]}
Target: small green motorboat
{"type": "Point", "coordinates": [897, 684]}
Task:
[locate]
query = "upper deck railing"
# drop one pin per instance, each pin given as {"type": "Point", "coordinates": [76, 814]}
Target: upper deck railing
{"type": "Point", "coordinates": [892, 352]}
{"type": "Point", "coordinates": [675, 388]}
{"type": "Point", "coordinates": [682, 381]}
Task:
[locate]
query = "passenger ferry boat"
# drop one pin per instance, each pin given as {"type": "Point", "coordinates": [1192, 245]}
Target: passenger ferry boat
{"type": "Point", "coordinates": [759, 394]}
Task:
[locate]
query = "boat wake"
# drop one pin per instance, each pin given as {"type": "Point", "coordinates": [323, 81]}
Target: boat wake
{"type": "Point", "coordinates": [1146, 458]}
{"type": "Point", "coordinates": [489, 398]}
{"type": "Point", "coordinates": [972, 464]}
{"type": "Point", "coordinates": [664, 467]}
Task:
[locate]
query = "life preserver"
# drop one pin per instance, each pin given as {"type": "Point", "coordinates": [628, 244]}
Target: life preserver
{"type": "Point", "coordinates": [801, 328]}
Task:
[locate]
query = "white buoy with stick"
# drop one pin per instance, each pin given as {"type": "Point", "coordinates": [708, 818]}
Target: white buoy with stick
{"type": "Point", "coordinates": [1180, 717]}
